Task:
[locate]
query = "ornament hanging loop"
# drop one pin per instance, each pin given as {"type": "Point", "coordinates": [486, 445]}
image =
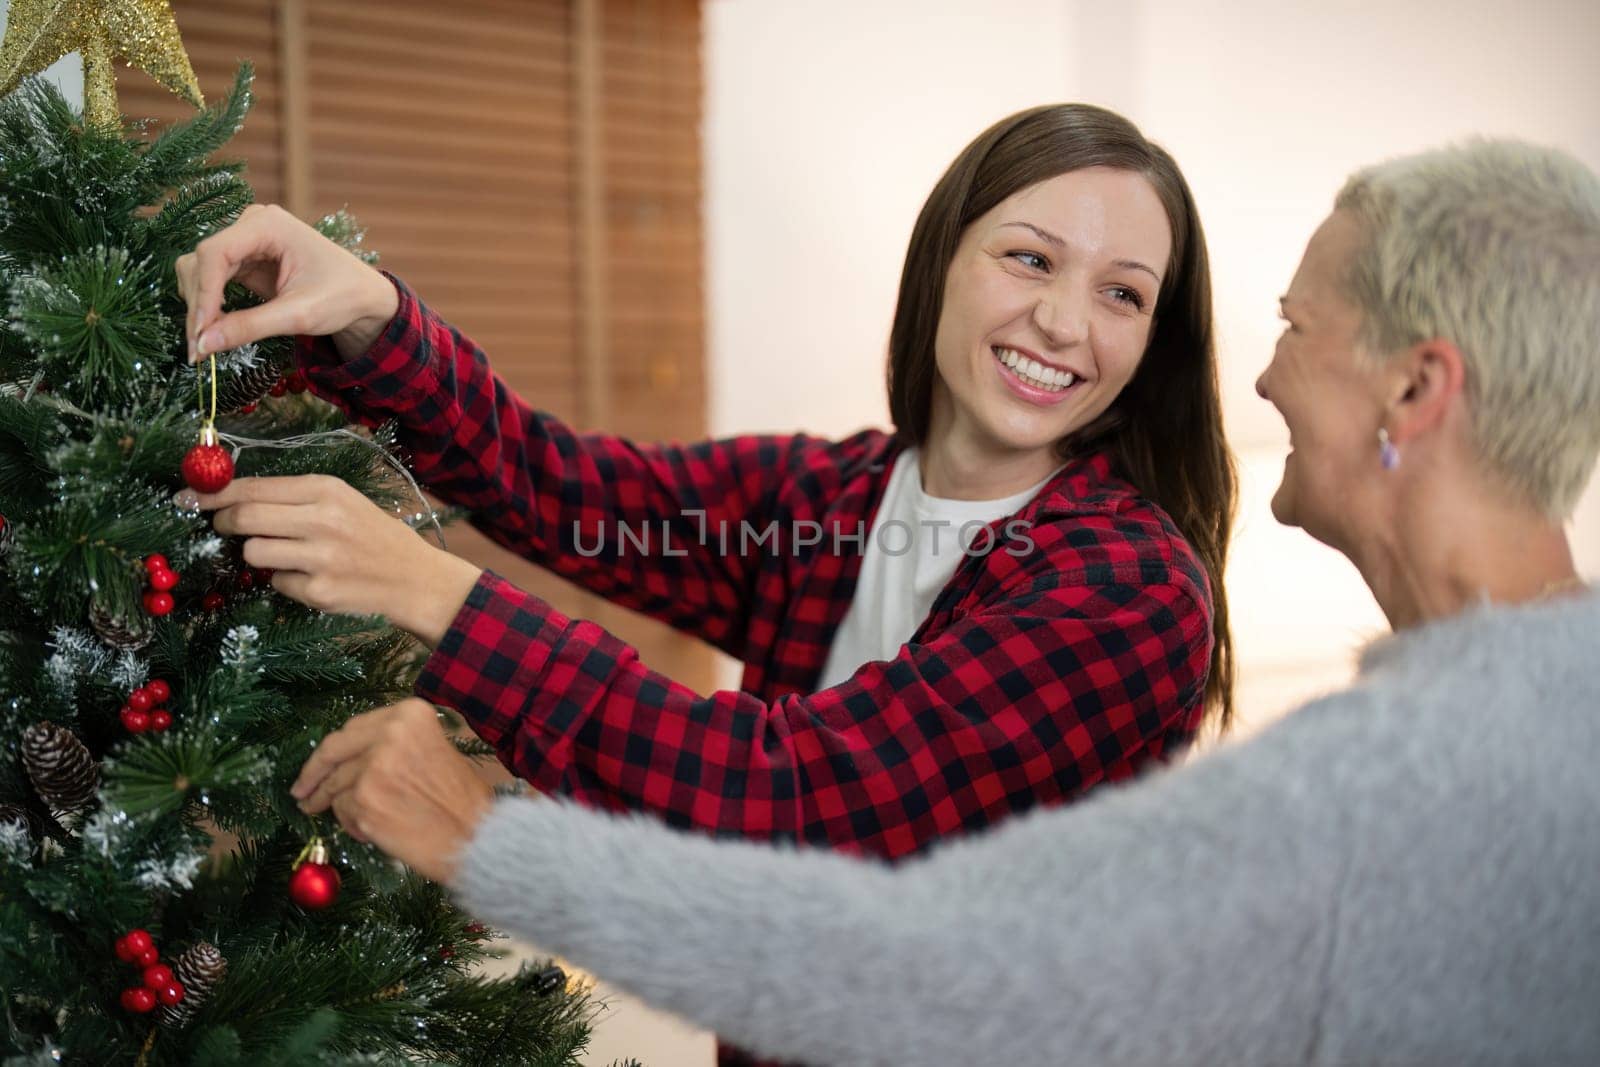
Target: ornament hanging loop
{"type": "Point", "coordinates": [208, 419]}
{"type": "Point", "coordinates": [315, 851]}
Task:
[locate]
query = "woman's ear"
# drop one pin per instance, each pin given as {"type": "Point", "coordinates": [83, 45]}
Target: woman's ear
{"type": "Point", "coordinates": [1426, 383]}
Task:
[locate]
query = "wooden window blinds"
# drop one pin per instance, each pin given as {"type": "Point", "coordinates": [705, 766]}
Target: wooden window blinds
{"type": "Point", "coordinates": [531, 167]}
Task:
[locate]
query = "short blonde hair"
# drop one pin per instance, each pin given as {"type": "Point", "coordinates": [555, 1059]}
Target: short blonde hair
{"type": "Point", "coordinates": [1495, 247]}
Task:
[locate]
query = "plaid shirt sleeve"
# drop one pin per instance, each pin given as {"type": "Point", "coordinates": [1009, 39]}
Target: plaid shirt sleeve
{"type": "Point", "coordinates": [1050, 690]}
{"type": "Point", "coordinates": [555, 496]}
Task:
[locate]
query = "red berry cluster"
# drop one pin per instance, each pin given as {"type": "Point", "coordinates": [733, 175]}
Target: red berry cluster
{"type": "Point", "coordinates": [292, 382]}
{"type": "Point", "coordinates": [247, 579]}
{"type": "Point", "coordinates": [158, 598]}
{"type": "Point", "coordinates": [159, 984]}
{"type": "Point", "coordinates": [144, 710]}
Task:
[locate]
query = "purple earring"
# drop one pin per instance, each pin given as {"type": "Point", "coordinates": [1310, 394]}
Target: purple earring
{"type": "Point", "coordinates": [1388, 455]}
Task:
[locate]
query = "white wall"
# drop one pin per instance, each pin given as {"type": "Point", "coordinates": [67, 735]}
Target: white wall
{"type": "Point", "coordinates": [828, 122]}
{"type": "Point", "coordinates": [66, 72]}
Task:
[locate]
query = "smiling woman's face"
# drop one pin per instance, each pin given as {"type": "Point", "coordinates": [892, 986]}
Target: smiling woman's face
{"type": "Point", "coordinates": [1329, 398]}
{"type": "Point", "coordinates": [1047, 310]}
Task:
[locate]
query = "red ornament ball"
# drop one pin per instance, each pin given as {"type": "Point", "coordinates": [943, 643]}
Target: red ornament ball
{"type": "Point", "coordinates": [245, 581]}
{"type": "Point", "coordinates": [135, 721]}
{"type": "Point", "coordinates": [248, 408]}
{"type": "Point", "coordinates": [171, 993]}
{"type": "Point", "coordinates": [163, 579]}
{"type": "Point", "coordinates": [158, 977]}
{"type": "Point", "coordinates": [160, 720]}
{"type": "Point", "coordinates": [208, 468]}
{"type": "Point", "coordinates": [279, 388]}
{"type": "Point", "coordinates": [314, 886]}
{"type": "Point", "coordinates": [156, 562]}
{"type": "Point", "coordinates": [213, 601]}
{"type": "Point", "coordinates": [159, 691]}
{"type": "Point", "coordinates": [148, 958]}
{"type": "Point", "coordinates": [138, 942]}
{"type": "Point", "coordinates": [158, 603]}
{"type": "Point", "coordinates": [124, 953]}
{"type": "Point", "coordinates": [295, 381]}
{"type": "Point", "coordinates": [138, 1000]}
{"type": "Point", "coordinates": [141, 700]}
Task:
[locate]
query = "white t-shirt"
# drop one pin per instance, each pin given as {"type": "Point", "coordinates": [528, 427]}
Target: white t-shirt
{"type": "Point", "coordinates": [913, 549]}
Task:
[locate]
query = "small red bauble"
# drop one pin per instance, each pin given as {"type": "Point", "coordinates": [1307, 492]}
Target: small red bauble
{"type": "Point", "coordinates": [163, 580]}
{"type": "Point", "coordinates": [279, 388]}
{"type": "Point", "coordinates": [160, 720]}
{"type": "Point", "coordinates": [248, 408]}
{"type": "Point", "coordinates": [295, 381]}
{"type": "Point", "coordinates": [245, 581]}
{"type": "Point", "coordinates": [158, 976]}
{"type": "Point", "coordinates": [213, 601]}
{"type": "Point", "coordinates": [157, 603]}
{"type": "Point", "coordinates": [141, 700]}
{"type": "Point", "coordinates": [314, 885]}
{"type": "Point", "coordinates": [138, 942]}
{"type": "Point", "coordinates": [148, 958]}
{"type": "Point", "coordinates": [263, 575]}
{"type": "Point", "coordinates": [124, 953]}
{"type": "Point", "coordinates": [171, 993]}
{"type": "Point", "coordinates": [135, 721]}
{"type": "Point", "coordinates": [447, 953]}
{"type": "Point", "coordinates": [159, 691]}
{"type": "Point", "coordinates": [208, 468]}
{"type": "Point", "coordinates": [156, 562]}
{"type": "Point", "coordinates": [138, 1000]}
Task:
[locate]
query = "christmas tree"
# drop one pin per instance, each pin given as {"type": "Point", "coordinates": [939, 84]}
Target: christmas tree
{"type": "Point", "coordinates": [162, 898]}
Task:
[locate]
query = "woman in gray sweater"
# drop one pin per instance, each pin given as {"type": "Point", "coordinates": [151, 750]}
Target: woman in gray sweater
{"type": "Point", "coordinates": [1405, 871]}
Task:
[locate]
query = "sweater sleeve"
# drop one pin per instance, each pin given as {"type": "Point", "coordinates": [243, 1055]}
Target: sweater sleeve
{"type": "Point", "coordinates": [1187, 919]}
{"type": "Point", "coordinates": [1056, 686]}
{"type": "Point", "coordinates": [565, 500]}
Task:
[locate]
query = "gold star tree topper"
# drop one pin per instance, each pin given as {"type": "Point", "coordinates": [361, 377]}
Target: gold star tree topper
{"type": "Point", "coordinates": [143, 32]}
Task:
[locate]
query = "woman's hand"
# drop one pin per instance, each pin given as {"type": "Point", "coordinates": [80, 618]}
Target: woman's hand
{"type": "Point", "coordinates": [333, 549]}
{"type": "Point", "coordinates": [393, 778]}
{"type": "Point", "coordinates": [311, 286]}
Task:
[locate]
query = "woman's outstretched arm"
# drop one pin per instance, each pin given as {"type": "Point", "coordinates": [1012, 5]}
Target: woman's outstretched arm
{"type": "Point", "coordinates": [1182, 920]}
{"type": "Point", "coordinates": [636, 523]}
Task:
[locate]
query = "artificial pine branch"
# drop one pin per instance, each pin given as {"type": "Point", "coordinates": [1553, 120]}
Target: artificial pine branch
{"type": "Point", "coordinates": [174, 158]}
{"type": "Point", "coordinates": [96, 321]}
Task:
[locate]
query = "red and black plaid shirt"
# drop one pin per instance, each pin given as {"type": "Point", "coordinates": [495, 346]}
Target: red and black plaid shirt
{"type": "Point", "coordinates": [1036, 675]}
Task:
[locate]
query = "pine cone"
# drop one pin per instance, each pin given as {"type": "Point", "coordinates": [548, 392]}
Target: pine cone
{"type": "Point", "coordinates": [63, 772]}
{"type": "Point", "coordinates": [129, 634]}
{"type": "Point", "coordinates": [199, 969]}
{"type": "Point", "coordinates": [246, 385]}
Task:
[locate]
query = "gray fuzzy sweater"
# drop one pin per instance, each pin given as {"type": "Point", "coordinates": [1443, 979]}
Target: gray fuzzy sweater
{"type": "Point", "coordinates": [1407, 871]}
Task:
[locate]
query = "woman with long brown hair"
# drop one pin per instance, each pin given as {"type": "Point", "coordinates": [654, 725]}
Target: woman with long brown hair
{"type": "Point", "coordinates": [1054, 389]}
